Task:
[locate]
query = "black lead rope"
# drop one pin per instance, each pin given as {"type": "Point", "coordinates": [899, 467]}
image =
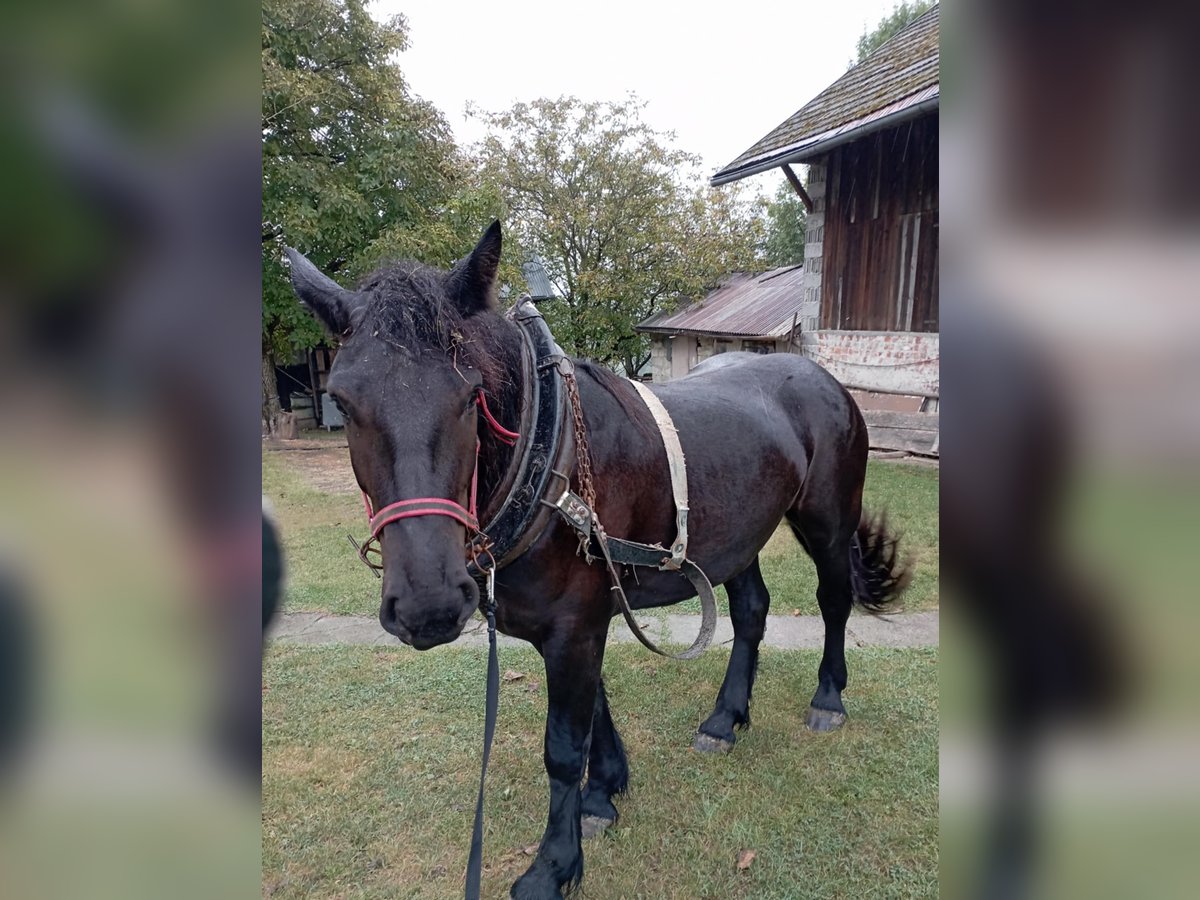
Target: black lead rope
{"type": "Point", "coordinates": [475, 859]}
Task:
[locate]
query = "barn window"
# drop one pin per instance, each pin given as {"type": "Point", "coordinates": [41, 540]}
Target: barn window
{"type": "Point", "coordinates": [757, 346]}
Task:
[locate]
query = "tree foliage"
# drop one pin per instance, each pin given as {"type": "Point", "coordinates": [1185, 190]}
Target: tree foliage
{"type": "Point", "coordinates": [623, 221]}
{"type": "Point", "coordinates": [355, 168]}
{"type": "Point", "coordinates": [890, 25]}
{"type": "Point", "coordinates": [786, 218]}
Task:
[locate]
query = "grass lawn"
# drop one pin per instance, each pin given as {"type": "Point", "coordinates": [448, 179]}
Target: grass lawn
{"type": "Point", "coordinates": [370, 763]}
{"type": "Point", "coordinates": [325, 575]}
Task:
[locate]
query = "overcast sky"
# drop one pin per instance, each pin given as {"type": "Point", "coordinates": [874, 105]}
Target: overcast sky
{"type": "Point", "coordinates": [719, 75]}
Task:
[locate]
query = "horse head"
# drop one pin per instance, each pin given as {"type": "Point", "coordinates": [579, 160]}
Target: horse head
{"type": "Point", "coordinates": [417, 344]}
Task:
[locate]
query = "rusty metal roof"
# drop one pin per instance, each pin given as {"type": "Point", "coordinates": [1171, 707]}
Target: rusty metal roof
{"type": "Point", "coordinates": [898, 81]}
{"type": "Point", "coordinates": [742, 306]}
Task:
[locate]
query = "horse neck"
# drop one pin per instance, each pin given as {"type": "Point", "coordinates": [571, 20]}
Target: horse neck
{"type": "Point", "coordinates": [504, 387]}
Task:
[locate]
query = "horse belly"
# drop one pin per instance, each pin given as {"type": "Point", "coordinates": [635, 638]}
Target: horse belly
{"type": "Point", "coordinates": [740, 484]}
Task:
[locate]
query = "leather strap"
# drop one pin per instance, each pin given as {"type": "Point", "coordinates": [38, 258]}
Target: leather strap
{"type": "Point", "coordinates": [678, 467]}
{"type": "Point", "coordinates": [621, 552]}
{"type": "Point", "coordinates": [422, 506]}
{"type": "Point", "coordinates": [520, 518]}
{"type": "Point", "coordinates": [491, 704]}
{"type": "Point", "coordinates": [693, 573]}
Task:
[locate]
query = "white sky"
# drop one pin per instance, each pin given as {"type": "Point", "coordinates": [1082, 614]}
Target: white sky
{"type": "Point", "coordinates": [719, 75]}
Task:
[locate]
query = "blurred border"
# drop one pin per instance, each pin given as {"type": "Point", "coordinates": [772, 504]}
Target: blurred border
{"type": "Point", "coordinates": [130, 518]}
{"type": "Point", "coordinates": [1071, 251]}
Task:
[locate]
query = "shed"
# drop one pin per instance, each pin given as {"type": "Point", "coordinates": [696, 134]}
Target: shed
{"type": "Point", "coordinates": [870, 287]}
{"type": "Point", "coordinates": [757, 313]}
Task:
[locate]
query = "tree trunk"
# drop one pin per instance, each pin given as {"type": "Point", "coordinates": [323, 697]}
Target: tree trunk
{"type": "Point", "coordinates": [271, 411]}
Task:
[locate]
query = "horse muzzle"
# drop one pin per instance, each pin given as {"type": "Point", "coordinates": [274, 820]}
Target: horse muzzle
{"type": "Point", "coordinates": [428, 620]}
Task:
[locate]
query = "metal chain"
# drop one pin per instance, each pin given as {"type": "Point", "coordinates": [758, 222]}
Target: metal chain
{"type": "Point", "coordinates": [583, 457]}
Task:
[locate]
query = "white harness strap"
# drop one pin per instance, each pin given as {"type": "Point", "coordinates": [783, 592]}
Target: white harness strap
{"type": "Point", "coordinates": [675, 461]}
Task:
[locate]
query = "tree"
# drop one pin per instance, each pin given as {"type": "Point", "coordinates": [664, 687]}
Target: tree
{"type": "Point", "coordinates": [890, 25]}
{"type": "Point", "coordinates": [786, 218]}
{"type": "Point", "coordinates": [624, 223]}
{"type": "Point", "coordinates": [355, 168]}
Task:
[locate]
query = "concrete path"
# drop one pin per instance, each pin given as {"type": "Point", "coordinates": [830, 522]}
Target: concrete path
{"type": "Point", "coordinates": [786, 632]}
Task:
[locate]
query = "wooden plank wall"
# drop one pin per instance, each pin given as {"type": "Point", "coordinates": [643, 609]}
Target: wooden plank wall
{"type": "Point", "coordinates": [915, 432]}
{"type": "Point", "coordinates": [880, 258]}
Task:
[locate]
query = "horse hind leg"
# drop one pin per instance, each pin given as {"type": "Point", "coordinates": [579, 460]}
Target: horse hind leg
{"type": "Point", "coordinates": [835, 596]}
{"type": "Point", "coordinates": [748, 604]}
{"type": "Point", "coordinates": [608, 771]}
{"type": "Point", "coordinates": [830, 552]}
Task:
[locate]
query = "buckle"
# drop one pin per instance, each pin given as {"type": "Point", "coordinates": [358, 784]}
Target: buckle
{"type": "Point", "coordinates": [576, 511]}
{"type": "Point", "coordinates": [558, 361]}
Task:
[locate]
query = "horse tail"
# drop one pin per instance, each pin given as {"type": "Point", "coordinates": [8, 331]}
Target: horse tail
{"type": "Point", "coordinates": [878, 574]}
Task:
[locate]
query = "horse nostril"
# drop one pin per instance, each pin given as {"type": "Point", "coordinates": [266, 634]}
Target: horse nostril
{"type": "Point", "coordinates": [389, 616]}
{"type": "Point", "coordinates": [470, 592]}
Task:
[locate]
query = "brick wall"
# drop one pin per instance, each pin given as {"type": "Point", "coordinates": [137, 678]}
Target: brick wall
{"type": "Point", "coordinates": [903, 361]}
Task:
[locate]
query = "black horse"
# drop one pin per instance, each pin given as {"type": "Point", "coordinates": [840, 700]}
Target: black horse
{"type": "Point", "coordinates": [765, 438]}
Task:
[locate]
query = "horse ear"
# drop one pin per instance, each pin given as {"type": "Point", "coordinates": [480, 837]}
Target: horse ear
{"type": "Point", "coordinates": [472, 281]}
{"type": "Point", "coordinates": [331, 303]}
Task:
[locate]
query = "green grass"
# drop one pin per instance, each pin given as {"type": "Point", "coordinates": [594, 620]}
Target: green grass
{"type": "Point", "coordinates": [371, 762]}
{"type": "Point", "coordinates": [324, 574]}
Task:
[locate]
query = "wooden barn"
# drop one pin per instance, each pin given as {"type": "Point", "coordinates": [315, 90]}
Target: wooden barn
{"type": "Point", "coordinates": [869, 311]}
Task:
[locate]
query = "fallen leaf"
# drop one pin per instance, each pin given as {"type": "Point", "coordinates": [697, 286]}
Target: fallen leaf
{"type": "Point", "coordinates": [513, 675]}
{"type": "Point", "coordinates": [533, 686]}
{"type": "Point", "coordinates": [744, 859]}
{"type": "Point", "coordinates": [796, 612]}
{"type": "Point", "coordinates": [531, 850]}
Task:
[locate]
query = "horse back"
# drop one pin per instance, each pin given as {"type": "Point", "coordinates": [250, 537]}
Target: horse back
{"type": "Point", "coordinates": [753, 428]}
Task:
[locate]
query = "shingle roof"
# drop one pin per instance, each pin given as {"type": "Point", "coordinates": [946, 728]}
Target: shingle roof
{"type": "Point", "coordinates": [898, 80]}
{"type": "Point", "coordinates": [743, 306]}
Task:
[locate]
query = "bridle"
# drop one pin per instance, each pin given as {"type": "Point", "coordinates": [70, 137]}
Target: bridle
{"type": "Point", "coordinates": [370, 550]}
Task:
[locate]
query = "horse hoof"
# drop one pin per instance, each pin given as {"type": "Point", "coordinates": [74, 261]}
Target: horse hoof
{"type": "Point", "coordinates": [706, 743]}
{"type": "Point", "coordinates": [591, 826]}
{"type": "Point", "coordinates": [824, 719]}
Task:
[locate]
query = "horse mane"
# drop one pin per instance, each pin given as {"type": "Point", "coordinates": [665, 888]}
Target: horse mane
{"type": "Point", "coordinates": [411, 311]}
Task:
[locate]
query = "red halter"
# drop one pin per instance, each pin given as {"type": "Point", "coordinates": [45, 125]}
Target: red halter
{"type": "Point", "coordinates": [432, 506]}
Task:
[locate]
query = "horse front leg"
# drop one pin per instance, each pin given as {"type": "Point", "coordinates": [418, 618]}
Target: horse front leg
{"type": "Point", "coordinates": [573, 659]}
{"type": "Point", "coordinates": [608, 771]}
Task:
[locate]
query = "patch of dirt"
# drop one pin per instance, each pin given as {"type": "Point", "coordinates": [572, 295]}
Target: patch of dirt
{"type": "Point", "coordinates": [324, 467]}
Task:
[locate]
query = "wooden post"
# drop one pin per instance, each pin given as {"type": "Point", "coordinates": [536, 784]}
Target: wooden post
{"type": "Point", "coordinates": [792, 333]}
{"type": "Point", "coordinates": [798, 187]}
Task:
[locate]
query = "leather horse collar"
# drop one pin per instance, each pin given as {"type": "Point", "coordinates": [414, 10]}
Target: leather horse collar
{"type": "Point", "coordinates": [520, 519]}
